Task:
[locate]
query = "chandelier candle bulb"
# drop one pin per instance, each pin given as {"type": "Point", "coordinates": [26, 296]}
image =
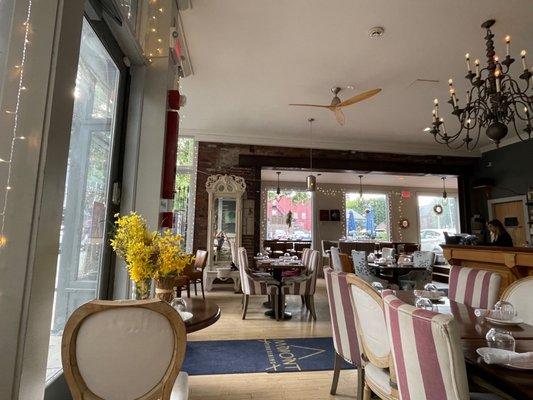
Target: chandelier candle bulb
{"type": "Point", "coordinates": [523, 55]}
{"type": "Point", "coordinates": [477, 68]}
{"type": "Point", "coordinates": [497, 76]}
{"type": "Point", "coordinates": [467, 57]}
{"type": "Point", "coordinates": [508, 45]}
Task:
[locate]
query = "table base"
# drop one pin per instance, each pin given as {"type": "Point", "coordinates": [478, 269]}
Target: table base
{"type": "Point", "coordinates": [272, 314]}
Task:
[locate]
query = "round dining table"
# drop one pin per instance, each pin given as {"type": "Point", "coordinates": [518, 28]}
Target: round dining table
{"type": "Point", "coordinates": [204, 313]}
{"type": "Point", "coordinates": [514, 383]}
{"type": "Point", "coordinates": [393, 272]}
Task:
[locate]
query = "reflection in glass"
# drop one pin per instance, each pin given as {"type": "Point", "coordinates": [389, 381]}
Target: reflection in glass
{"type": "Point", "coordinates": [83, 228]}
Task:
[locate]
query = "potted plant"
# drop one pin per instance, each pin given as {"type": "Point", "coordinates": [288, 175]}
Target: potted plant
{"type": "Point", "coordinates": [149, 255]}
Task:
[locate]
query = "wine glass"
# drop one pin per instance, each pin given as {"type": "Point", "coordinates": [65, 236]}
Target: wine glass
{"type": "Point", "coordinates": [430, 287]}
{"type": "Point", "coordinates": [425, 303]}
{"type": "Point", "coordinates": [500, 339]}
{"type": "Point", "coordinates": [505, 310]}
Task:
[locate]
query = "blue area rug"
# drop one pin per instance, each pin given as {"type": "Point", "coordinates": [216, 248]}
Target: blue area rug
{"type": "Point", "coordinates": [268, 355]}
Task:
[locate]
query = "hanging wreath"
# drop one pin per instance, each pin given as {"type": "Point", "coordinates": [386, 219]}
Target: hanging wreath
{"type": "Point", "coordinates": [437, 209]}
{"type": "Point", "coordinates": [404, 223]}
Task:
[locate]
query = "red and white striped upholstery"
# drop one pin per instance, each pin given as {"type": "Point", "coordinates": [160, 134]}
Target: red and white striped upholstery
{"type": "Point", "coordinates": [474, 287]}
{"type": "Point", "coordinates": [304, 285]}
{"type": "Point", "coordinates": [427, 353]}
{"type": "Point", "coordinates": [342, 316]}
{"type": "Point", "coordinates": [306, 254]}
{"type": "Point", "coordinates": [249, 284]}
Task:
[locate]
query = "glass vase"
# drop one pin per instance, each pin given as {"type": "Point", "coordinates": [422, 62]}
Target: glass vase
{"type": "Point", "coordinates": [164, 288]}
{"type": "Point", "coordinates": [142, 289]}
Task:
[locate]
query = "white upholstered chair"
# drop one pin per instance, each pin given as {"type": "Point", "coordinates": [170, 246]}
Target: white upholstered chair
{"type": "Point", "coordinates": [335, 259]}
{"type": "Point", "coordinates": [474, 287]}
{"type": "Point", "coordinates": [519, 295]}
{"type": "Point", "coordinates": [373, 339]}
{"type": "Point", "coordinates": [125, 350]}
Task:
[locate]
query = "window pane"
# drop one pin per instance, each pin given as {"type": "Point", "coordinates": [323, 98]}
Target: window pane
{"type": "Point", "coordinates": [433, 224]}
{"type": "Point", "coordinates": [181, 203]}
{"type": "Point", "coordinates": [298, 204]}
{"type": "Point", "coordinates": [367, 217]}
{"type": "Point", "coordinates": [83, 239]}
{"type": "Point", "coordinates": [185, 152]}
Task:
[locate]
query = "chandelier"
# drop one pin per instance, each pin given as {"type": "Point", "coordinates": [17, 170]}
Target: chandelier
{"type": "Point", "coordinates": [311, 179]}
{"type": "Point", "coordinates": [494, 101]}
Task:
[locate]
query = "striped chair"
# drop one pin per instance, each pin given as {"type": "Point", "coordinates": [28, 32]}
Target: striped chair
{"type": "Point", "coordinates": [373, 339]}
{"type": "Point", "coordinates": [254, 285]}
{"type": "Point", "coordinates": [343, 326]}
{"type": "Point", "coordinates": [427, 353]}
{"type": "Point", "coordinates": [305, 284]}
{"type": "Point", "coordinates": [474, 287]}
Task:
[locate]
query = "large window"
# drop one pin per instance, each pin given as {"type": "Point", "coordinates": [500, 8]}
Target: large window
{"type": "Point", "coordinates": [367, 216]}
{"type": "Point", "coordinates": [87, 210]}
{"type": "Point", "coordinates": [289, 215]}
{"type": "Point", "coordinates": [436, 215]}
{"type": "Point", "coordinates": [184, 195]}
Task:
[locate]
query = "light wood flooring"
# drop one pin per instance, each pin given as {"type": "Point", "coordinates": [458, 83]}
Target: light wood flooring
{"type": "Point", "coordinates": [290, 385]}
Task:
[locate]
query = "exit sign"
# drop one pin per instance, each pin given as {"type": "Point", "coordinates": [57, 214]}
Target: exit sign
{"type": "Point", "coordinates": [406, 194]}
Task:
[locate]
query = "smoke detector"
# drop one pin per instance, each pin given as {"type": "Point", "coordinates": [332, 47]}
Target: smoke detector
{"type": "Point", "coordinates": [376, 32]}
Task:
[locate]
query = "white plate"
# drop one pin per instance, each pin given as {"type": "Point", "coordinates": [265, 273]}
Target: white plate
{"type": "Point", "coordinates": [487, 350]}
{"type": "Point", "coordinates": [496, 321]}
{"type": "Point", "coordinates": [185, 315]}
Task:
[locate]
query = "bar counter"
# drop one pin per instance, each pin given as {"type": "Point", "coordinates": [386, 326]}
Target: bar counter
{"type": "Point", "coordinates": [512, 263]}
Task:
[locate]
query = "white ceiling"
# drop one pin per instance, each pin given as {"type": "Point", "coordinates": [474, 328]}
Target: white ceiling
{"type": "Point", "coordinates": [253, 57]}
{"type": "Point", "coordinates": [371, 179]}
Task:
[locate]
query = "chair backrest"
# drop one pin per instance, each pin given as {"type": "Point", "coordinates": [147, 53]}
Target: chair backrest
{"type": "Point", "coordinates": [387, 252]}
{"type": "Point", "coordinates": [117, 350]}
{"type": "Point", "coordinates": [327, 245]}
{"type": "Point", "coordinates": [342, 316]}
{"type": "Point", "coordinates": [200, 260]}
{"type": "Point", "coordinates": [424, 259]}
{"type": "Point", "coordinates": [474, 287]}
{"type": "Point", "coordinates": [335, 259]}
{"type": "Point", "coordinates": [312, 269]}
{"type": "Point", "coordinates": [346, 263]}
{"type": "Point", "coordinates": [361, 266]}
{"type": "Point", "coordinates": [306, 254]}
{"type": "Point", "coordinates": [233, 251]}
{"type": "Point", "coordinates": [370, 321]}
{"type": "Point", "coordinates": [427, 352]}
{"type": "Point", "coordinates": [519, 295]}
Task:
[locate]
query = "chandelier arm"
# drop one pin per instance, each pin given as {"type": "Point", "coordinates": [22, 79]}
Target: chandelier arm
{"type": "Point", "coordinates": [517, 111]}
{"type": "Point", "coordinates": [517, 131]}
{"type": "Point", "coordinates": [477, 139]}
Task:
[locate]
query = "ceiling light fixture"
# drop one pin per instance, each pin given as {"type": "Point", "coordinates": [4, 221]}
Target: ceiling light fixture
{"type": "Point", "coordinates": [361, 186]}
{"type": "Point", "coordinates": [444, 192]}
{"type": "Point", "coordinates": [278, 190]}
{"type": "Point", "coordinates": [376, 32]}
{"type": "Point", "coordinates": [494, 101]}
{"type": "Point", "coordinates": [311, 179]}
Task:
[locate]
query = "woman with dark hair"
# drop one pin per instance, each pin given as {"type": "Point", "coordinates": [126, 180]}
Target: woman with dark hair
{"type": "Point", "coordinates": [498, 235]}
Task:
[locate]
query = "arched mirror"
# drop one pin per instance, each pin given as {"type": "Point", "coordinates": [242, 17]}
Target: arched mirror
{"type": "Point", "coordinates": [225, 218]}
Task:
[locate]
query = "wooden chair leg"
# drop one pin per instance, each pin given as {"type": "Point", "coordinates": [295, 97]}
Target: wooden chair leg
{"type": "Point", "coordinates": [242, 301]}
{"type": "Point", "coordinates": [367, 392]}
{"type": "Point", "coordinates": [202, 287]}
{"type": "Point", "coordinates": [189, 290]}
{"type": "Point", "coordinates": [275, 306]}
{"type": "Point", "coordinates": [303, 300]}
{"type": "Point", "coordinates": [311, 302]}
{"type": "Point", "coordinates": [336, 372]}
{"type": "Point", "coordinates": [195, 289]}
{"type": "Point", "coordinates": [360, 382]}
{"type": "Point", "coordinates": [245, 306]}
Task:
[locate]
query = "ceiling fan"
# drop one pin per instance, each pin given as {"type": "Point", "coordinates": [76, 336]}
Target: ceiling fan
{"type": "Point", "coordinates": [337, 105]}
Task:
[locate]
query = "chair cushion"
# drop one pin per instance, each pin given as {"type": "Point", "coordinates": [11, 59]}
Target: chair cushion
{"type": "Point", "coordinates": [379, 377]}
{"type": "Point", "coordinates": [180, 391]}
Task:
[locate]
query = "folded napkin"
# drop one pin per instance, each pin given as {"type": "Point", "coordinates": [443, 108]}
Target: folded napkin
{"type": "Point", "coordinates": [508, 357]}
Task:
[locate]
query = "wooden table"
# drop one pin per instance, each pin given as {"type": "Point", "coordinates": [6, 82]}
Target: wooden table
{"type": "Point", "coordinates": [396, 270]}
{"type": "Point", "coordinates": [516, 384]}
{"type": "Point", "coordinates": [277, 266]}
{"type": "Point", "coordinates": [204, 313]}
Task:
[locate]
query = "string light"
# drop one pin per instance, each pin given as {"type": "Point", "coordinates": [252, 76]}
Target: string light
{"type": "Point", "coordinates": [20, 88]}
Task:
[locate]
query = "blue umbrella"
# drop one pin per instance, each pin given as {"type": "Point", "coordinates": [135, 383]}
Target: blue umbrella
{"type": "Point", "coordinates": [370, 223]}
{"type": "Point", "coordinates": [352, 223]}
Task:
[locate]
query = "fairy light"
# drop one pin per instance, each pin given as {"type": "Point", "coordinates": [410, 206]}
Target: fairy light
{"type": "Point", "coordinates": [14, 133]}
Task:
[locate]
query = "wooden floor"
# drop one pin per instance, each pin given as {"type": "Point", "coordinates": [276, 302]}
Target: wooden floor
{"type": "Point", "coordinates": [289, 385]}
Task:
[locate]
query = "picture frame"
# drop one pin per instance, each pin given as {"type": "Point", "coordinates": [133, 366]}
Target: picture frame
{"type": "Point", "coordinates": [335, 215]}
{"type": "Point", "coordinates": [324, 215]}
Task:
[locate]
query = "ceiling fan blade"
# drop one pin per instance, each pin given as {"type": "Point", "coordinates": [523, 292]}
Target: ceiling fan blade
{"type": "Point", "coordinates": [358, 97]}
{"type": "Point", "coordinates": [309, 105]}
{"type": "Point", "coordinates": [339, 116]}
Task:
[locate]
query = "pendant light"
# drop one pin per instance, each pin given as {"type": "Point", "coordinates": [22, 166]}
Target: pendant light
{"type": "Point", "coordinates": [278, 190]}
{"type": "Point", "coordinates": [444, 193]}
{"type": "Point", "coordinates": [360, 186]}
{"type": "Point", "coordinates": [311, 179]}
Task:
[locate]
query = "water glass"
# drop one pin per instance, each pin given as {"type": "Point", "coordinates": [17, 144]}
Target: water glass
{"type": "Point", "coordinates": [378, 286]}
{"type": "Point", "coordinates": [430, 287]}
{"type": "Point", "coordinates": [179, 304]}
{"type": "Point", "coordinates": [425, 303]}
{"type": "Point", "coordinates": [505, 310]}
{"type": "Point", "coordinates": [500, 339]}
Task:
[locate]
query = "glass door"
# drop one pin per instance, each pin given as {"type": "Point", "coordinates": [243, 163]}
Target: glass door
{"type": "Point", "coordinates": [84, 258]}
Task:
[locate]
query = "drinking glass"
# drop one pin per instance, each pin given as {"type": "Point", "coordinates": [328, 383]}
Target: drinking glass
{"type": "Point", "coordinates": [430, 287]}
{"type": "Point", "coordinates": [506, 310]}
{"type": "Point", "coordinates": [500, 339]}
{"type": "Point", "coordinates": [378, 287]}
{"type": "Point", "coordinates": [425, 303]}
{"type": "Point", "coordinates": [179, 304]}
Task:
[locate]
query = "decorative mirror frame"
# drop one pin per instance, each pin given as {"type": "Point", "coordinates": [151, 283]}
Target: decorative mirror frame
{"type": "Point", "coordinates": [224, 186]}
